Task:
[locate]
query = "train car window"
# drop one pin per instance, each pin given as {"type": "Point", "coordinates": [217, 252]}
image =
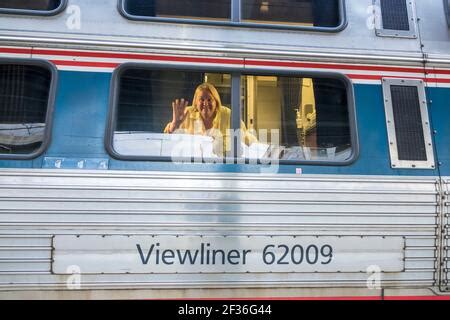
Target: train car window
{"type": "Point", "coordinates": [26, 101]}
{"type": "Point", "coordinates": [171, 114]}
{"type": "Point", "coordinates": [42, 7]}
{"type": "Point", "coordinates": [316, 13]}
{"type": "Point", "coordinates": [186, 9]}
{"type": "Point", "coordinates": [297, 118]}
{"type": "Point", "coordinates": [395, 18]}
{"type": "Point", "coordinates": [408, 124]}
{"type": "Point", "coordinates": [447, 10]}
{"type": "Point", "coordinates": [320, 15]}
{"type": "Point", "coordinates": [162, 113]}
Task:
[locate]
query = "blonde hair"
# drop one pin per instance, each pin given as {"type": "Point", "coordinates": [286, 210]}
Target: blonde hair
{"type": "Point", "coordinates": [209, 87]}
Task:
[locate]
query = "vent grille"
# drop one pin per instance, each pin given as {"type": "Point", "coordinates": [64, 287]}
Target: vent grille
{"type": "Point", "coordinates": [394, 15]}
{"type": "Point", "coordinates": [408, 123]}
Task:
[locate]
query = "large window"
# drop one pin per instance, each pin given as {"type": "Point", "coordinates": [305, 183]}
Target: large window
{"type": "Point", "coordinates": [326, 15]}
{"type": "Point", "coordinates": [26, 98]}
{"type": "Point", "coordinates": [44, 7]}
{"type": "Point", "coordinates": [164, 114]}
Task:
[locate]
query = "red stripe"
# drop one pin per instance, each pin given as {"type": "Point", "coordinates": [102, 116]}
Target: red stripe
{"type": "Point", "coordinates": [415, 298]}
{"type": "Point", "coordinates": [439, 80]}
{"type": "Point", "coordinates": [343, 298]}
{"type": "Point", "coordinates": [351, 76]}
{"type": "Point", "coordinates": [440, 71]}
{"type": "Point", "coordinates": [129, 56]}
{"type": "Point", "coordinates": [16, 50]}
{"type": "Point", "coordinates": [364, 77]}
{"type": "Point", "coordinates": [292, 64]}
{"type": "Point", "coordinates": [152, 57]}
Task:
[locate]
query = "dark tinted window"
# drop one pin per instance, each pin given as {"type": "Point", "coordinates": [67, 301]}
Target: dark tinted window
{"type": "Point", "coordinates": [42, 5]}
{"type": "Point", "coordinates": [24, 95]}
{"type": "Point", "coordinates": [296, 13]}
{"type": "Point", "coordinates": [187, 9]}
{"type": "Point", "coordinates": [319, 13]}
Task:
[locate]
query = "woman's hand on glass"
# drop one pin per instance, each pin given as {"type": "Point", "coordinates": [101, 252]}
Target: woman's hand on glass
{"type": "Point", "coordinates": [179, 113]}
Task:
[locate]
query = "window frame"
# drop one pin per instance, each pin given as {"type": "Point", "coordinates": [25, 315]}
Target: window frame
{"type": "Point", "coordinates": [236, 17]}
{"type": "Point", "coordinates": [411, 33]}
{"type": "Point", "coordinates": [236, 74]}
{"type": "Point", "coordinates": [396, 163]}
{"type": "Point", "coordinates": [50, 105]}
{"type": "Point", "coordinates": [447, 11]}
{"type": "Point", "coordinates": [30, 12]}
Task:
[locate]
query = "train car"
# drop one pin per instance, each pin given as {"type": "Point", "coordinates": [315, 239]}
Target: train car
{"type": "Point", "coordinates": [224, 148]}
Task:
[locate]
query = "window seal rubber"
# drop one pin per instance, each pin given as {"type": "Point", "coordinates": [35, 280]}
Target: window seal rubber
{"type": "Point", "coordinates": [50, 105]}
{"type": "Point", "coordinates": [62, 6]}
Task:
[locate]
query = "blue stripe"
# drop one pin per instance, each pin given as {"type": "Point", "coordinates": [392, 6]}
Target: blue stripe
{"type": "Point", "coordinates": [81, 115]}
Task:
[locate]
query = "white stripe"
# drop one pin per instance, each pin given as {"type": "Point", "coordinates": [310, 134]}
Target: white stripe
{"type": "Point", "coordinates": [14, 55]}
{"type": "Point", "coordinates": [362, 81]}
{"type": "Point", "coordinates": [85, 69]}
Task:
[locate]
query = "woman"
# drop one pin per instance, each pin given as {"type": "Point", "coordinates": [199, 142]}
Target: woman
{"type": "Point", "coordinates": [206, 116]}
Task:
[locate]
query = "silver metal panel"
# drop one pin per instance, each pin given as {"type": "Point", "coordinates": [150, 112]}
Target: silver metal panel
{"type": "Point", "coordinates": [101, 24]}
{"type": "Point", "coordinates": [382, 32]}
{"type": "Point", "coordinates": [420, 243]}
{"type": "Point", "coordinates": [446, 244]}
{"type": "Point", "coordinates": [71, 202]}
{"type": "Point", "coordinates": [226, 254]}
{"type": "Point", "coordinates": [420, 263]}
{"type": "Point", "coordinates": [25, 253]}
{"type": "Point", "coordinates": [409, 279]}
{"type": "Point", "coordinates": [418, 252]}
{"type": "Point", "coordinates": [390, 124]}
{"type": "Point", "coordinates": [434, 30]}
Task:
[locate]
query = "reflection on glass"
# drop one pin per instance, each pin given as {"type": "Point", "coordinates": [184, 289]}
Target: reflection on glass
{"type": "Point", "coordinates": [156, 115]}
{"type": "Point", "coordinates": [186, 9]}
{"type": "Point", "coordinates": [24, 93]}
{"type": "Point", "coordinates": [319, 13]}
{"type": "Point", "coordinates": [296, 118]}
{"type": "Point", "coordinates": [44, 5]}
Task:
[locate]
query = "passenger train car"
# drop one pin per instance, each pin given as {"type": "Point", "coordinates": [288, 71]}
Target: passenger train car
{"type": "Point", "coordinates": [327, 176]}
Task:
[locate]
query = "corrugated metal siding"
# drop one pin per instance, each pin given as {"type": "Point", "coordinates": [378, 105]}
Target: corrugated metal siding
{"type": "Point", "coordinates": [27, 254]}
{"type": "Point", "coordinates": [49, 202]}
{"type": "Point", "coordinates": [447, 235]}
